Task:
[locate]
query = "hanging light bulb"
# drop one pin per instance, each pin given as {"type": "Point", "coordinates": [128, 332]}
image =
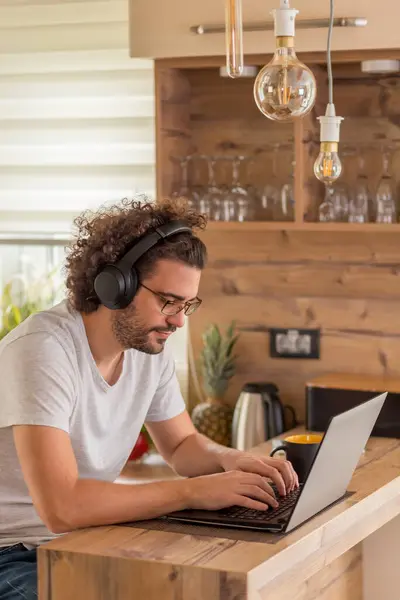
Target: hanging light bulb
{"type": "Point", "coordinates": [327, 167]}
{"type": "Point", "coordinates": [285, 88]}
{"type": "Point", "coordinates": [234, 37]}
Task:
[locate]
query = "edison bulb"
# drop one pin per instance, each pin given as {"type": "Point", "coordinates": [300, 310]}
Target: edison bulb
{"type": "Point", "coordinates": [285, 88]}
{"type": "Point", "coordinates": [234, 38]}
{"type": "Point", "coordinates": [327, 167]}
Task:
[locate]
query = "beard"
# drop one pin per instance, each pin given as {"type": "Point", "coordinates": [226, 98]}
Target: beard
{"type": "Point", "coordinates": [132, 333]}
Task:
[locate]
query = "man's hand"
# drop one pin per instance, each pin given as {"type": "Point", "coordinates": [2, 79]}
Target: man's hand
{"type": "Point", "coordinates": [192, 454]}
{"type": "Point", "coordinates": [220, 490]}
{"type": "Point", "coordinates": [280, 471]}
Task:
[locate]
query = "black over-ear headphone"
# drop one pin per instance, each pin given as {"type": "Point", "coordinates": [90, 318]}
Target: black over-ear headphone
{"type": "Point", "coordinates": [116, 285]}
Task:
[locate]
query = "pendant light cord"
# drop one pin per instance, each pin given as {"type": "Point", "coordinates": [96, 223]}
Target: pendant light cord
{"type": "Point", "coordinates": [329, 61]}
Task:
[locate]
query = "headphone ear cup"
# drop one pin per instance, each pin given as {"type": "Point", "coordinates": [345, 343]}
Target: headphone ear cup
{"type": "Point", "coordinates": [131, 284]}
{"type": "Point", "coordinates": [110, 287]}
{"type": "Point", "coordinates": [134, 282]}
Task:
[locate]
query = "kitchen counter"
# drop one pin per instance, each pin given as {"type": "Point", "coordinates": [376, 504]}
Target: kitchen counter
{"type": "Point", "coordinates": [348, 552]}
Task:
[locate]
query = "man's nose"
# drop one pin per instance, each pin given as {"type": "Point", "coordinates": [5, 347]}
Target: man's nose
{"type": "Point", "coordinates": [177, 320]}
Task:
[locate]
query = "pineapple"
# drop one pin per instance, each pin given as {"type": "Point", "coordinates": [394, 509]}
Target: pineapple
{"type": "Point", "coordinates": [213, 417]}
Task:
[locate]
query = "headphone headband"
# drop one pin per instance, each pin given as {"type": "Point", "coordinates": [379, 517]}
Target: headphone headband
{"type": "Point", "coordinates": [151, 239]}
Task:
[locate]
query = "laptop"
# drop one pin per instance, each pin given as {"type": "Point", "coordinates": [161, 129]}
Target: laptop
{"type": "Point", "coordinates": [338, 454]}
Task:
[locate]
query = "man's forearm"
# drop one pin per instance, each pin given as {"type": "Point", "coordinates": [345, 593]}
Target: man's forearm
{"type": "Point", "coordinates": [198, 455]}
{"type": "Point", "coordinates": [92, 502]}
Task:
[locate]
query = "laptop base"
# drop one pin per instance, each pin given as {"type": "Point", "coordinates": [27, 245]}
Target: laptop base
{"type": "Point", "coordinates": [197, 517]}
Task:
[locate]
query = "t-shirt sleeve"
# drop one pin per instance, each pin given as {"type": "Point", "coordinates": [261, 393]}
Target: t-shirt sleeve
{"type": "Point", "coordinates": [36, 382]}
{"type": "Point", "coordinates": [167, 401]}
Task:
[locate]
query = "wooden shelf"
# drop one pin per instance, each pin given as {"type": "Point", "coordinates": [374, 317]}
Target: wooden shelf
{"type": "Point", "coordinates": [200, 113]}
{"type": "Point", "coordinates": [304, 226]}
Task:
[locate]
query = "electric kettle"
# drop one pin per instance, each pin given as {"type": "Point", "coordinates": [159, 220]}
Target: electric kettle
{"type": "Point", "coordinates": [259, 415]}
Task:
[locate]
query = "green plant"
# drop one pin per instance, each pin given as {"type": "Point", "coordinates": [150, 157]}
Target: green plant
{"type": "Point", "coordinates": [20, 299]}
{"type": "Point", "coordinates": [217, 360]}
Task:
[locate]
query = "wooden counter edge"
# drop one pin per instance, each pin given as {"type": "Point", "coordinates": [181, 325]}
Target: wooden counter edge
{"type": "Point", "coordinates": [335, 537]}
{"type": "Point", "coordinates": [308, 549]}
{"type": "Point", "coordinates": [307, 555]}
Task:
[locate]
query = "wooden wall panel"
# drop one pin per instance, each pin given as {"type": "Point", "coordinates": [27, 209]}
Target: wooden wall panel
{"type": "Point", "coordinates": [235, 247]}
{"type": "Point", "coordinates": [172, 126]}
{"type": "Point", "coordinates": [363, 315]}
{"type": "Point", "coordinates": [348, 285]}
{"type": "Point", "coordinates": [373, 281]}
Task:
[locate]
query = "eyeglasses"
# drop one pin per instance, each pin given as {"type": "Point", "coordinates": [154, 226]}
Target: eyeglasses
{"type": "Point", "coordinates": [173, 307]}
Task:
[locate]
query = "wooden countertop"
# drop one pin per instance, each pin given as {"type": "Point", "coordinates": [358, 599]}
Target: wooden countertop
{"type": "Point", "coordinates": [171, 561]}
{"type": "Point", "coordinates": [352, 381]}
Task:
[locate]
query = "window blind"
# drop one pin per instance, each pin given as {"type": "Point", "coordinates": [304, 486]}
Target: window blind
{"type": "Point", "coordinates": [76, 112]}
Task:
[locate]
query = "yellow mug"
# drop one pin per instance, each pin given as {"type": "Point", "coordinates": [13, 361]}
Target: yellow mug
{"type": "Point", "coordinates": [301, 451]}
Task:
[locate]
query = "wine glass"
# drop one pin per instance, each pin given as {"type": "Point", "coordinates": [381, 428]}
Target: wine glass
{"type": "Point", "coordinates": [211, 203]}
{"type": "Point", "coordinates": [270, 193]}
{"type": "Point", "coordinates": [197, 175]}
{"type": "Point", "coordinates": [385, 203]}
{"type": "Point", "coordinates": [284, 210]}
{"type": "Point", "coordinates": [183, 190]}
{"type": "Point", "coordinates": [359, 202]}
{"type": "Point", "coordinates": [254, 192]}
{"type": "Point", "coordinates": [238, 195]}
{"type": "Point", "coordinates": [340, 200]}
{"type": "Point", "coordinates": [326, 211]}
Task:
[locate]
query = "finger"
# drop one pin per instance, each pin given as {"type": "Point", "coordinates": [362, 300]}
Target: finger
{"type": "Point", "coordinates": [276, 477]}
{"type": "Point", "coordinates": [296, 477]}
{"type": "Point", "coordinates": [286, 470]}
{"type": "Point", "coordinates": [294, 474]}
{"type": "Point", "coordinates": [264, 483]}
{"type": "Point", "coordinates": [260, 481]}
{"type": "Point", "coordinates": [257, 493]}
{"type": "Point", "coordinates": [249, 503]}
{"type": "Point", "coordinates": [259, 467]}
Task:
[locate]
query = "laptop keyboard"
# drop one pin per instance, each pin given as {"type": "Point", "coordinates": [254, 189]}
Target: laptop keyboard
{"type": "Point", "coordinates": [249, 514]}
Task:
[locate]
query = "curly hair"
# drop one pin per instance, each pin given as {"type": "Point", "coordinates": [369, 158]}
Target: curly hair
{"type": "Point", "coordinates": [105, 235]}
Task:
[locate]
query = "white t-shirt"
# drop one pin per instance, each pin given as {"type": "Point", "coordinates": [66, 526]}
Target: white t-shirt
{"type": "Point", "coordinates": [48, 377]}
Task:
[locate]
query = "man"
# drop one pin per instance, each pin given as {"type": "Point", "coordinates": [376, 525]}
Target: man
{"type": "Point", "coordinates": [79, 380]}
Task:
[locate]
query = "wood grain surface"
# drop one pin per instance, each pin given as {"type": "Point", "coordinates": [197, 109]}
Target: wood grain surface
{"type": "Point", "coordinates": [347, 286]}
{"type": "Point", "coordinates": [321, 559]}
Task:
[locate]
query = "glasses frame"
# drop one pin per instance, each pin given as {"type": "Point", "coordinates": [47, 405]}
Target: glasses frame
{"type": "Point", "coordinates": [185, 306]}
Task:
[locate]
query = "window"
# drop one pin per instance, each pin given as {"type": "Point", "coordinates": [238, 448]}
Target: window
{"type": "Point", "coordinates": [77, 124]}
{"type": "Point", "coordinates": [77, 113]}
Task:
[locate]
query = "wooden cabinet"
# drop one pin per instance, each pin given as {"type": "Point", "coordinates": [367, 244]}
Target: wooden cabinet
{"type": "Point", "coordinates": [202, 114]}
{"type": "Point", "coordinates": [162, 28]}
{"type": "Point", "coordinates": [199, 112]}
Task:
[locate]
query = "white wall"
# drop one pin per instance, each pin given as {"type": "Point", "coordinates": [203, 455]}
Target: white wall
{"type": "Point", "coordinates": [76, 117]}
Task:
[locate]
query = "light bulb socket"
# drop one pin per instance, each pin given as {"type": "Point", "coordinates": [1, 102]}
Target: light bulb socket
{"type": "Point", "coordinates": [329, 146]}
{"type": "Point", "coordinates": [284, 21]}
{"type": "Point", "coordinates": [285, 42]}
{"type": "Point", "coordinates": [330, 125]}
